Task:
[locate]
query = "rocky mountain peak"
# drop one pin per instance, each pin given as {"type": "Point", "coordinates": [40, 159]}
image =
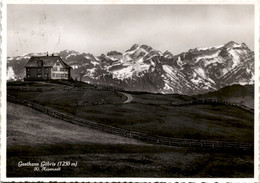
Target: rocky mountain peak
{"type": "Point", "coordinates": [142, 68]}
{"type": "Point", "coordinates": [134, 47]}
{"type": "Point", "coordinates": [231, 44]}
{"type": "Point", "coordinates": [167, 54]}
{"type": "Point", "coordinates": [147, 48]}
{"type": "Point", "coordinates": [113, 53]}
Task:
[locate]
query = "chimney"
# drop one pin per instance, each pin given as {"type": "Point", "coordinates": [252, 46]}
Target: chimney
{"type": "Point", "coordinates": [52, 54]}
{"type": "Point", "coordinates": [47, 54]}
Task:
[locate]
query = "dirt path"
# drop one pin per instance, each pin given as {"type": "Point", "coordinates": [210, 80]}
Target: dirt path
{"type": "Point", "coordinates": [129, 97]}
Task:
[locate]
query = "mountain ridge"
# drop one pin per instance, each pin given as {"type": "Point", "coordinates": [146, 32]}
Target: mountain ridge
{"type": "Point", "coordinates": [142, 68]}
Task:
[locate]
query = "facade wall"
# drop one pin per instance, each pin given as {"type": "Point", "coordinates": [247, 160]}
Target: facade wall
{"type": "Point", "coordinates": [58, 71]}
{"type": "Point", "coordinates": [41, 73]}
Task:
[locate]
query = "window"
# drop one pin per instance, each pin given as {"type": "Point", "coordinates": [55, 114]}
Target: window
{"type": "Point", "coordinates": [46, 70]}
{"type": "Point", "coordinates": [39, 75]}
{"type": "Point", "coordinates": [57, 63]}
{"type": "Point", "coordinates": [28, 70]}
{"type": "Point", "coordinates": [54, 68]}
{"type": "Point", "coordinates": [46, 75]}
{"type": "Point", "coordinates": [28, 75]}
{"type": "Point", "coordinates": [39, 69]}
{"type": "Point", "coordinates": [40, 63]}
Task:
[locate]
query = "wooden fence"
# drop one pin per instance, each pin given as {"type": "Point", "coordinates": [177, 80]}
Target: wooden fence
{"type": "Point", "coordinates": [214, 101]}
{"type": "Point", "coordinates": [65, 87]}
{"type": "Point", "coordinates": [33, 88]}
{"type": "Point", "coordinates": [153, 139]}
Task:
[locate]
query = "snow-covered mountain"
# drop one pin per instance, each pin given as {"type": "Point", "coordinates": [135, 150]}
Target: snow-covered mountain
{"type": "Point", "coordinates": [143, 68]}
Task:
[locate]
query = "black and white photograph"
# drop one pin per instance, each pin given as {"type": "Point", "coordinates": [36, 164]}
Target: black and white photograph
{"type": "Point", "coordinates": [131, 91]}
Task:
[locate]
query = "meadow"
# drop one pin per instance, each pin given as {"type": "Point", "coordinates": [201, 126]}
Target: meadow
{"type": "Point", "coordinates": [33, 136]}
{"type": "Point", "coordinates": [36, 137]}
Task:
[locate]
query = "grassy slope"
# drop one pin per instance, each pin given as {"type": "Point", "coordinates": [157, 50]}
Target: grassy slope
{"type": "Point", "coordinates": [152, 113]}
{"type": "Point", "coordinates": [235, 93]}
{"type": "Point", "coordinates": [38, 128]}
{"type": "Point", "coordinates": [35, 137]}
{"type": "Point", "coordinates": [199, 122]}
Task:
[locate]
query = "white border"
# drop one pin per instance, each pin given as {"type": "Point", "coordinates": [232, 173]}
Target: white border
{"type": "Point", "coordinates": [256, 105]}
{"type": "Point", "coordinates": [210, 180]}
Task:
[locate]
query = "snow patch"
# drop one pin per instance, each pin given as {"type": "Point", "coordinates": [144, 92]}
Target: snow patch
{"type": "Point", "coordinates": [131, 52]}
{"type": "Point", "coordinates": [179, 62]}
{"type": "Point", "coordinates": [207, 48]}
{"type": "Point", "coordinates": [10, 74]}
{"type": "Point", "coordinates": [236, 58]}
{"type": "Point", "coordinates": [71, 54]}
{"type": "Point", "coordinates": [88, 57]}
{"type": "Point", "coordinates": [167, 87]}
{"type": "Point", "coordinates": [169, 70]}
{"type": "Point", "coordinates": [213, 55]}
{"type": "Point", "coordinates": [197, 80]}
{"type": "Point", "coordinates": [201, 72]}
{"type": "Point", "coordinates": [94, 62]}
{"type": "Point", "coordinates": [132, 67]}
{"type": "Point", "coordinates": [123, 73]}
{"type": "Point", "coordinates": [91, 71]}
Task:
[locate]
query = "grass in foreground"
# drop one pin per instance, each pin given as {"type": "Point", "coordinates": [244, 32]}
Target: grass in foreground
{"type": "Point", "coordinates": [36, 137]}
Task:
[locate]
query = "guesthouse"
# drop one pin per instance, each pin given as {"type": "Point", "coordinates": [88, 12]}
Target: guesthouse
{"type": "Point", "coordinates": [47, 67]}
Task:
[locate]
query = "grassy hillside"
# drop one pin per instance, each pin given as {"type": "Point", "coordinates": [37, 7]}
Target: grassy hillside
{"type": "Point", "coordinates": [37, 129]}
{"type": "Point", "coordinates": [234, 93]}
{"type": "Point", "coordinates": [207, 122]}
{"type": "Point", "coordinates": [35, 137]}
{"type": "Point", "coordinates": [153, 113]}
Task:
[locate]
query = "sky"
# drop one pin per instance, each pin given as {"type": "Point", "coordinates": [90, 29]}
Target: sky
{"type": "Point", "coordinates": [99, 29]}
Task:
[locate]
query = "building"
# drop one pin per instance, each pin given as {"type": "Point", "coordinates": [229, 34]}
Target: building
{"type": "Point", "coordinates": [47, 67]}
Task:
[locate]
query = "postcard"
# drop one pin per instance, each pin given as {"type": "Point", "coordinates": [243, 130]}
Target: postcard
{"type": "Point", "coordinates": [112, 91]}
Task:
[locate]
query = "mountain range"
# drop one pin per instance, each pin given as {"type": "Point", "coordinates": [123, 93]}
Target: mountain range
{"type": "Point", "coordinates": [142, 68]}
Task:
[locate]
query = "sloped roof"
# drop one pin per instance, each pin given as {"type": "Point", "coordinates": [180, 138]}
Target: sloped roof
{"type": "Point", "coordinates": [48, 61]}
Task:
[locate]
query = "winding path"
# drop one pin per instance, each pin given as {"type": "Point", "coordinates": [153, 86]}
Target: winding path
{"type": "Point", "coordinates": [129, 97]}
